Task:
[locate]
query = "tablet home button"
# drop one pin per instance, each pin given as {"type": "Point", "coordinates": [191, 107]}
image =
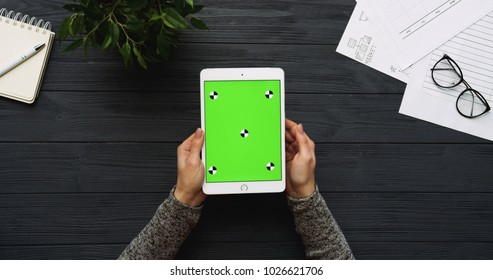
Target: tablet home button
{"type": "Point", "coordinates": [244, 188]}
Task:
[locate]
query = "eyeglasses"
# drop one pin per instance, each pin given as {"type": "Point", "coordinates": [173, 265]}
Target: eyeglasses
{"type": "Point", "coordinates": [447, 74]}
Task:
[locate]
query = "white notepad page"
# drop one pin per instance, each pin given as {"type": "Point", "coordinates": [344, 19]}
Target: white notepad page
{"type": "Point", "coordinates": [24, 81]}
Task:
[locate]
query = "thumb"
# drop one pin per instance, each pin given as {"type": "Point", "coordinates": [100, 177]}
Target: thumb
{"type": "Point", "coordinates": [197, 142]}
{"type": "Point", "coordinates": [303, 141]}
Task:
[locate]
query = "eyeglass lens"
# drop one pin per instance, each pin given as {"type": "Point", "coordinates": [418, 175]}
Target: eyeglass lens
{"type": "Point", "coordinates": [471, 104]}
{"type": "Point", "coordinates": [447, 73]}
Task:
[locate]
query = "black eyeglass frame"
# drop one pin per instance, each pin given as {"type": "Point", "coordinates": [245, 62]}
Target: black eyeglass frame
{"type": "Point", "coordinates": [458, 71]}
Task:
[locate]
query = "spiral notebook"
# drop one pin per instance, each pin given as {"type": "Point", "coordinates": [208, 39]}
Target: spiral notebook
{"type": "Point", "coordinates": [19, 32]}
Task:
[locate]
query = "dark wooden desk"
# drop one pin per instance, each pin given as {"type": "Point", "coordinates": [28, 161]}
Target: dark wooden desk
{"type": "Point", "coordinates": [84, 168]}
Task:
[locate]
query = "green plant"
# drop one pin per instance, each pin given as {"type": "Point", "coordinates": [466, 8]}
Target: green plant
{"type": "Point", "coordinates": [142, 30]}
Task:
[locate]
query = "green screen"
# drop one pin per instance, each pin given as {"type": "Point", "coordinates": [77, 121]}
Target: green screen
{"type": "Point", "coordinates": [242, 131]}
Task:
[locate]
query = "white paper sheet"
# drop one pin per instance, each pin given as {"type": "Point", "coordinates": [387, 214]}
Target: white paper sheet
{"type": "Point", "coordinates": [472, 49]}
{"type": "Point", "coordinates": [417, 27]}
{"type": "Point", "coordinates": [365, 40]}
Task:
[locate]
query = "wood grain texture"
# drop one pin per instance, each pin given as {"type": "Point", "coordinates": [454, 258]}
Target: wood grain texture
{"type": "Point", "coordinates": [189, 250]}
{"type": "Point", "coordinates": [423, 250]}
{"type": "Point", "coordinates": [151, 167]}
{"type": "Point", "coordinates": [99, 71]}
{"type": "Point", "coordinates": [308, 68]}
{"type": "Point", "coordinates": [361, 250]}
{"type": "Point", "coordinates": [170, 117]}
{"type": "Point", "coordinates": [62, 252]}
{"type": "Point", "coordinates": [261, 250]}
{"type": "Point", "coordinates": [235, 21]}
{"type": "Point", "coordinates": [39, 219]}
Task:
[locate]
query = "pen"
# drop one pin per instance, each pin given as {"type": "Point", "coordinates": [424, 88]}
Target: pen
{"type": "Point", "coordinates": [19, 59]}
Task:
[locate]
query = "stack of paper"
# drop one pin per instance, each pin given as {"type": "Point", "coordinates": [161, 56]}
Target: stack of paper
{"type": "Point", "coordinates": [392, 35]}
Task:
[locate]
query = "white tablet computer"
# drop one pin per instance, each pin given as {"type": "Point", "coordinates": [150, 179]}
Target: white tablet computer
{"type": "Point", "coordinates": [243, 121]}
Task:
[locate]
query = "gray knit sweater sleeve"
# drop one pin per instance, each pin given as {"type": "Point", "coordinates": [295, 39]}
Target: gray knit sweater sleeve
{"type": "Point", "coordinates": [322, 237]}
{"type": "Point", "coordinates": [163, 236]}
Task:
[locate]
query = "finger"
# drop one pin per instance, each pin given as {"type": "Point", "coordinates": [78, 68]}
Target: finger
{"type": "Point", "coordinates": [289, 137]}
{"type": "Point", "coordinates": [196, 146]}
{"type": "Point", "coordinates": [291, 127]}
{"type": "Point", "coordinates": [185, 145]}
{"type": "Point", "coordinates": [290, 156]}
{"type": "Point", "coordinates": [294, 145]}
{"type": "Point", "coordinates": [303, 142]}
{"type": "Point", "coordinates": [291, 149]}
{"type": "Point", "coordinates": [290, 124]}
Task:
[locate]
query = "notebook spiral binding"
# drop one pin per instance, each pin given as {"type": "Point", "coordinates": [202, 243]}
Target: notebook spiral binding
{"type": "Point", "coordinates": [24, 21]}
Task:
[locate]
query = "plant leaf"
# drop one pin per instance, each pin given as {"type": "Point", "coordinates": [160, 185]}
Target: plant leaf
{"type": "Point", "coordinates": [70, 24]}
{"type": "Point", "coordinates": [135, 5]}
{"type": "Point", "coordinates": [155, 17]}
{"type": "Point", "coordinates": [173, 19]}
{"type": "Point", "coordinates": [93, 10]}
{"type": "Point", "coordinates": [180, 6]}
{"type": "Point", "coordinates": [126, 52]}
{"type": "Point", "coordinates": [63, 31]}
{"type": "Point", "coordinates": [140, 59]}
{"type": "Point", "coordinates": [198, 23]}
{"type": "Point", "coordinates": [134, 24]}
{"type": "Point", "coordinates": [163, 44]}
{"type": "Point", "coordinates": [197, 8]}
{"type": "Point", "coordinates": [142, 31]}
{"type": "Point", "coordinates": [193, 10]}
{"type": "Point", "coordinates": [126, 49]}
{"type": "Point", "coordinates": [74, 45]}
{"type": "Point", "coordinates": [107, 42]}
{"type": "Point", "coordinates": [114, 32]}
{"type": "Point", "coordinates": [76, 25]}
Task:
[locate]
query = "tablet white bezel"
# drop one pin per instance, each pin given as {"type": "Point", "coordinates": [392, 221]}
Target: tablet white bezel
{"type": "Point", "coordinates": [244, 74]}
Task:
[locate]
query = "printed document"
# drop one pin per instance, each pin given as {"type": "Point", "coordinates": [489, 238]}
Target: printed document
{"type": "Point", "coordinates": [472, 49]}
{"type": "Point", "coordinates": [365, 40]}
{"type": "Point", "coordinates": [417, 27]}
